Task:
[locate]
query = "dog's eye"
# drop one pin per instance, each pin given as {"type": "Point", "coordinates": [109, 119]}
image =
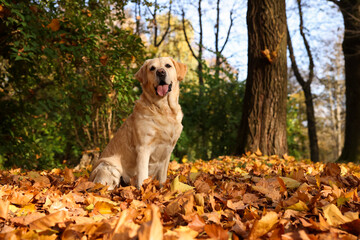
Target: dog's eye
{"type": "Point", "coordinates": [168, 65]}
{"type": "Point", "coordinates": [152, 68]}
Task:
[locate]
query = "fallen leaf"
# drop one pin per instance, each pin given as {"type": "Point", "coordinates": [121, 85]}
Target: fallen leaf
{"type": "Point", "coordinates": [69, 175]}
{"type": "Point", "coordinates": [48, 221]}
{"type": "Point", "coordinates": [235, 205]}
{"type": "Point", "coordinates": [4, 209]}
{"type": "Point", "coordinates": [215, 231]}
{"type": "Point", "coordinates": [103, 208]}
{"type": "Point", "coordinates": [299, 206]}
{"type": "Point", "coordinates": [197, 223]}
{"type": "Point", "coordinates": [264, 225]}
{"type": "Point", "coordinates": [176, 185]}
{"type": "Point", "coordinates": [152, 230]}
{"type": "Point", "coordinates": [334, 217]}
{"type": "Point", "coordinates": [290, 183]}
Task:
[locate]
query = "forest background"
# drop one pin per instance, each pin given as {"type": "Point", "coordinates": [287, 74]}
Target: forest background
{"type": "Point", "coordinates": [66, 80]}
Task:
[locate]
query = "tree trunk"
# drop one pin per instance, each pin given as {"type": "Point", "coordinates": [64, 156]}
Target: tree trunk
{"type": "Point", "coordinates": [351, 48]}
{"type": "Point", "coordinates": [263, 123]}
{"type": "Point", "coordinates": [310, 115]}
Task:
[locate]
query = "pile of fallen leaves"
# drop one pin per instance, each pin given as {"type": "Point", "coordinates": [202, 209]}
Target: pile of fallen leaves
{"type": "Point", "coordinates": [252, 197]}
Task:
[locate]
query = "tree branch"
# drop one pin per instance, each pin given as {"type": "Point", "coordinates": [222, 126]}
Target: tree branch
{"type": "Point", "coordinates": [294, 66]}
{"type": "Point", "coordinates": [167, 29]}
{"type": "Point", "coordinates": [307, 46]}
{"type": "Point", "coordinates": [228, 33]}
{"type": "Point", "coordinates": [186, 37]}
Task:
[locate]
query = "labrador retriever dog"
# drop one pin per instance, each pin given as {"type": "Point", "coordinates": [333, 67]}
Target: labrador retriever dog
{"type": "Point", "coordinates": [143, 144]}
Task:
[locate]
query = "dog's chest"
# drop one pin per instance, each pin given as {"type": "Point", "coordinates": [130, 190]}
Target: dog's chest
{"type": "Point", "coordinates": [168, 131]}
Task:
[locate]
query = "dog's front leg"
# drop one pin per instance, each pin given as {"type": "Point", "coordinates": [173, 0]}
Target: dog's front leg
{"type": "Point", "coordinates": [142, 161]}
{"type": "Point", "coordinates": [162, 174]}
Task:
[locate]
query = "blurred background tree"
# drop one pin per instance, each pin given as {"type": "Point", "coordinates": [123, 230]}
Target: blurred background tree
{"type": "Point", "coordinates": [68, 82]}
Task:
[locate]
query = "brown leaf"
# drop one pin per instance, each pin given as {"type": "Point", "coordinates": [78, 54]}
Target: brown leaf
{"type": "Point", "coordinates": [103, 60]}
{"type": "Point", "coordinates": [332, 169]}
{"type": "Point", "coordinates": [235, 205]}
{"type": "Point", "coordinates": [215, 231]}
{"type": "Point", "coordinates": [352, 227]}
{"type": "Point", "coordinates": [69, 175]}
{"type": "Point", "coordinates": [173, 208]}
{"type": "Point", "coordinates": [84, 186]}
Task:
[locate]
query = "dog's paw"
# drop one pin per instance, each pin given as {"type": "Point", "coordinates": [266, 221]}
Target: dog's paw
{"type": "Point", "coordinates": [106, 174]}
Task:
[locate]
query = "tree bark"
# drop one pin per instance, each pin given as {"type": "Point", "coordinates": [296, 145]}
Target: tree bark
{"type": "Point", "coordinates": [350, 10]}
{"type": "Point", "coordinates": [263, 123]}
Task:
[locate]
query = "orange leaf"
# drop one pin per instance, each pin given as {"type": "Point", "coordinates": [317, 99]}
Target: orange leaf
{"type": "Point", "coordinates": [4, 209]}
{"type": "Point", "coordinates": [54, 25]}
{"type": "Point", "coordinates": [153, 229]}
{"type": "Point", "coordinates": [103, 60]}
{"type": "Point", "coordinates": [216, 232]}
{"type": "Point", "coordinates": [197, 223]}
{"type": "Point", "coordinates": [48, 221]}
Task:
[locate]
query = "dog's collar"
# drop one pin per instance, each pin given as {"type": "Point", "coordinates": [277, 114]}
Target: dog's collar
{"type": "Point", "coordinates": [169, 89]}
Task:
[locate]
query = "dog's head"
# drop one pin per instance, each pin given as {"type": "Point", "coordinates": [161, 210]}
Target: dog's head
{"type": "Point", "coordinates": [158, 75]}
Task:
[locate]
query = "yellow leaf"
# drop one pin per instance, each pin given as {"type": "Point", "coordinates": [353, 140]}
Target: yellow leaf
{"type": "Point", "coordinates": [184, 232]}
{"type": "Point", "coordinates": [258, 152]}
{"type": "Point", "coordinates": [176, 185]}
{"type": "Point", "coordinates": [13, 208]}
{"type": "Point", "coordinates": [194, 169]}
{"type": "Point", "coordinates": [30, 208]}
{"type": "Point", "coordinates": [290, 183]}
{"type": "Point", "coordinates": [90, 207]}
{"type": "Point", "coordinates": [334, 217]}
{"type": "Point", "coordinates": [264, 225]}
{"type": "Point", "coordinates": [299, 206]}
{"type": "Point", "coordinates": [103, 207]}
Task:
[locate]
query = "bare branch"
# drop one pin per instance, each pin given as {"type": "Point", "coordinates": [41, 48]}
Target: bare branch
{"type": "Point", "coordinates": [229, 30]}
{"type": "Point", "coordinates": [217, 26]}
{"type": "Point", "coordinates": [186, 37]}
{"type": "Point", "coordinates": [294, 66]}
{"type": "Point", "coordinates": [167, 29]}
{"type": "Point", "coordinates": [307, 46]}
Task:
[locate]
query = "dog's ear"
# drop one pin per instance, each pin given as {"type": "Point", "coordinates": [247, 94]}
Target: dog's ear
{"type": "Point", "coordinates": [141, 74]}
{"type": "Point", "coordinates": [180, 69]}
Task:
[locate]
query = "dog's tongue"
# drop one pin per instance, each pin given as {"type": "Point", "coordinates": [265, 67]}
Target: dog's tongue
{"type": "Point", "coordinates": [162, 90]}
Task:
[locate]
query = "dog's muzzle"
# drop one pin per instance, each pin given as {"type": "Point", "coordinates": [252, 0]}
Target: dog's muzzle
{"type": "Point", "coordinates": [162, 89]}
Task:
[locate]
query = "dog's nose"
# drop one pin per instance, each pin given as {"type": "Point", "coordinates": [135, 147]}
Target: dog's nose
{"type": "Point", "coordinates": [160, 73]}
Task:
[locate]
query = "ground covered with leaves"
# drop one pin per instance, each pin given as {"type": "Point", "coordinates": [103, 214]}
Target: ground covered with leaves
{"type": "Point", "coordinates": [252, 197]}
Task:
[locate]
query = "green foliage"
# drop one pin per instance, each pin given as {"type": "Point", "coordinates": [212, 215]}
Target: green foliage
{"type": "Point", "coordinates": [296, 132]}
{"type": "Point", "coordinates": [68, 82]}
{"type": "Point", "coordinates": [211, 115]}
